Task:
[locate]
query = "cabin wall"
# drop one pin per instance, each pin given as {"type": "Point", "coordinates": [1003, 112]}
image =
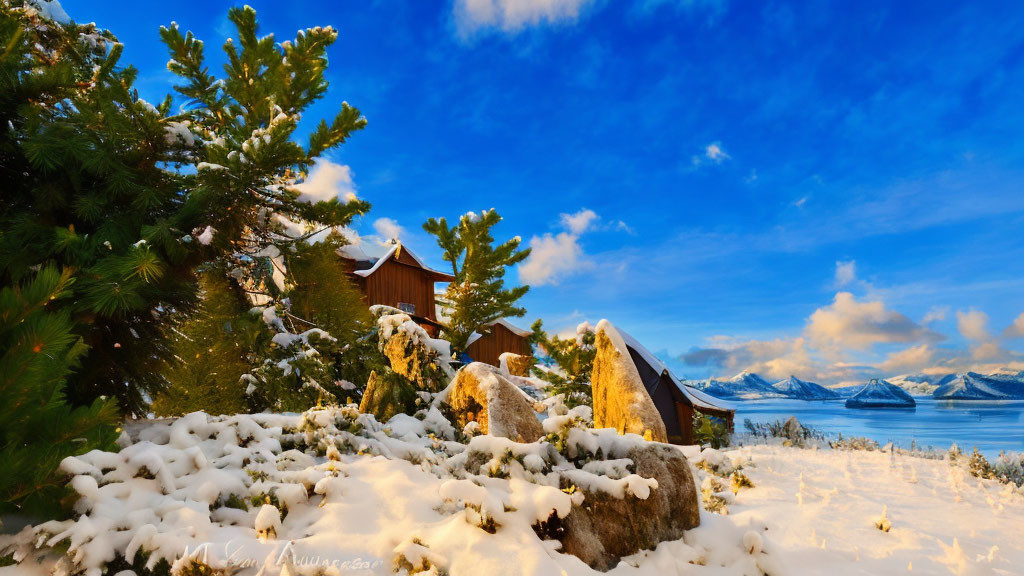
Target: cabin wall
{"type": "Point", "coordinates": [394, 282]}
{"type": "Point", "coordinates": [489, 347]}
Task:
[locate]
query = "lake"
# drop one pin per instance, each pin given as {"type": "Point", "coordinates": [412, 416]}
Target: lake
{"type": "Point", "coordinates": [991, 426]}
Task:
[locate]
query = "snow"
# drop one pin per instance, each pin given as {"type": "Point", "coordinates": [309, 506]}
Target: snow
{"type": "Point", "coordinates": [881, 394]}
{"type": "Point", "coordinates": [390, 321]}
{"type": "Point", "coordinates": [340, 487]}
{"type": "Point", "coordinates": [206, 236]}
{"type": "Point", "coordinates": [52, 10]}
{"type": "Point", "coordinates": [974, 386]}
{"type": "Point", "coordinates": [392, 251]}
{"type": "Point", "coordinates": [745, 385]}
{"type": "Point", "coordinates": [920, 384]}
{"type": "Point", "coordinates": [179, 132]}
{"type": "Point", "coordinates": [794, 387]}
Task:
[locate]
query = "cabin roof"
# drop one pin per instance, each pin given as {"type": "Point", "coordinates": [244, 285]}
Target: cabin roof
{"type": "Point", "coordinates": [372, 266]}
{"type": "Point", "coordinates": [500, 321]}
{"type": "Point", "coordinates": [699, 399]}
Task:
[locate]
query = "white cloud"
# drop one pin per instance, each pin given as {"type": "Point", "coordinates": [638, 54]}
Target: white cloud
{"type": "Point", "coordinates": [327, 181]}
{"type": "Point", "coordinates": [846, 272]}
{"type": "Point", "coordinates": [514, 15]}
{"type": "Point", "coordinates": [1015, 330]}
{"type": "Point", "coordinates": [621, 226]}
{"type": "Point", "coordinates": [552, 258]}
{"type": "Point", "coordinates": [388, 229]}
{"type": "Point", "coordinates": [988, 350]}
{"type": "Point", "coordinates": [973, 325]}
{"type": "Point", "coordinates": [556, 256]}
{"type": "Point", "coordinates": [908, 359]}
{"type": "Point", "coordinates": [847, 323]}
{"type": "Point", "coordinates": [713, 154]}
{"type": "Point", "coordinates": [579, 222]}
{"type": "Point", "coordinates": [936, 314]}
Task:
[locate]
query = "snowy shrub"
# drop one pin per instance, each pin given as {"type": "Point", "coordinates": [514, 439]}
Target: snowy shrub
{"type": "Point", "coordinates": [564, 431]}
{"type": "Point", "coordinates": [883, 523]}
{"type": "Point", "coordinates": [979, 466]}
{"type": "Point", "coordinates": [1009, 468]}
{"type": "Point", "coordinates": [739, 481]}
{"type": "Point", "coordinates": [954, 454]}
{"type": "Point", "coordinates": [415, 558]}
{"type": "Point", "coordinates": [854, 443]}
{"type": "Point", "coordinates": [715, 495]}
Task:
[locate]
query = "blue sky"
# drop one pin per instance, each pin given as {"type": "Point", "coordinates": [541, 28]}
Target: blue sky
{"type": "Point", "coordinates": [809, 188]}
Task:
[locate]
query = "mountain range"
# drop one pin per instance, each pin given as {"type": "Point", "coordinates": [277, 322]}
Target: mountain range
{"type": "Point", "coordinates": [1001, 385]}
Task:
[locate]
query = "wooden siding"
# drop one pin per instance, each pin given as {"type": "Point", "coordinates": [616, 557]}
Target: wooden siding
{"type": "Point", "coordinates": [489, 347]}
{"type": "Point", "coordinates": [396, 282]}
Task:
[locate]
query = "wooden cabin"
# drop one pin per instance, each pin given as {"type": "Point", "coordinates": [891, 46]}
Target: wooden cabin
{"type": "Point", "coordinates": [675, 401]}
{"type": "Point", "coordinates": [398, 279]}
{"type": "Point", "coordinates": [501, 337]}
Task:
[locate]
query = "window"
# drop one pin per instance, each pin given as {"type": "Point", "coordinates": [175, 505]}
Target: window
{"type": "Point", "coordinates": [407, 308]}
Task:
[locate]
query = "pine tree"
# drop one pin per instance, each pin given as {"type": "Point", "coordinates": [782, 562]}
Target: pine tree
{"type": "Point", "coordinates": [247, 170]}
{"type": "Point", "coordinates": [572, 360]}
{"type": "Point", "coordinates": [213, 348]}
{"type": "Point", "coordinates": [325, 296]}
{"type": "Point", "coordinates": [82, 162]}
{"type": "Point", "coordinates": [38, 428]}
{"type": "Point", "coordinates": [478, 295]}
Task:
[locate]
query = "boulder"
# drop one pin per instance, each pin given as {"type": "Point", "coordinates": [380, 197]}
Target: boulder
{"type": "Point", "coordinates": [481, 394]}
{"type": "Point", "coordinates": [620, 398]}
{"type": "Point", "coordinates": [387, 395]}
{"type": "Point", "coordinates": [411, 352]}
{"type": "Point", "coordinates": [516, 364]}
{"type": "Point", "coordinates": [604, 528]}
{"type": "Point", "coordinates": [792, 429]}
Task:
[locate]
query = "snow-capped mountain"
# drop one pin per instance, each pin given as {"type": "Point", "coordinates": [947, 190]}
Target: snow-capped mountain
{"type": "Point", "coordinates": [794, 387]}
{"type": "Point", "coordinates": [881, 394]}
{"type": "Point", "coordinates": [745, 385]}
{"type": "Point", "coordinates": [974, 386]}
{"type": "Point", "coordinates": [920, 384]}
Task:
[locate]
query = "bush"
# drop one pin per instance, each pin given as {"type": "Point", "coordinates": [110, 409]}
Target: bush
{"type": "Point", "coordinates": [710, 430]}
{"type": "Point", "coordinates": [1009, 468]}
{"type": "Point", "coordinates": [979, 465]}
{"type": "Point", "coordinates": [854, 443]}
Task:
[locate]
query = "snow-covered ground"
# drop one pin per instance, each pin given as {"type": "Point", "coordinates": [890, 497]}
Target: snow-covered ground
{"type": "Point", "coordinates": [368, 499]}
{"type": "Point", "coordinates": [821, 507]}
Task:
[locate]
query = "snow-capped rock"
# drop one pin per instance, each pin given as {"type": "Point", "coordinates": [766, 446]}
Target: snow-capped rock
{"type": "Point", "coordinates": [796, 388]}
{"type": "Point", "coordinates": [881, 394]}
{"type": "Point", "coordinates": [974, 386]}
{"type": "Point", "coordinates": [620, 399]}
{"type": "Point", "coordinates": [481, 393]}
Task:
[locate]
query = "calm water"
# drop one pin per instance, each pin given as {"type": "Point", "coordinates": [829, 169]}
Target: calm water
{"type": "Point", "coordinates": [991, 426]}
